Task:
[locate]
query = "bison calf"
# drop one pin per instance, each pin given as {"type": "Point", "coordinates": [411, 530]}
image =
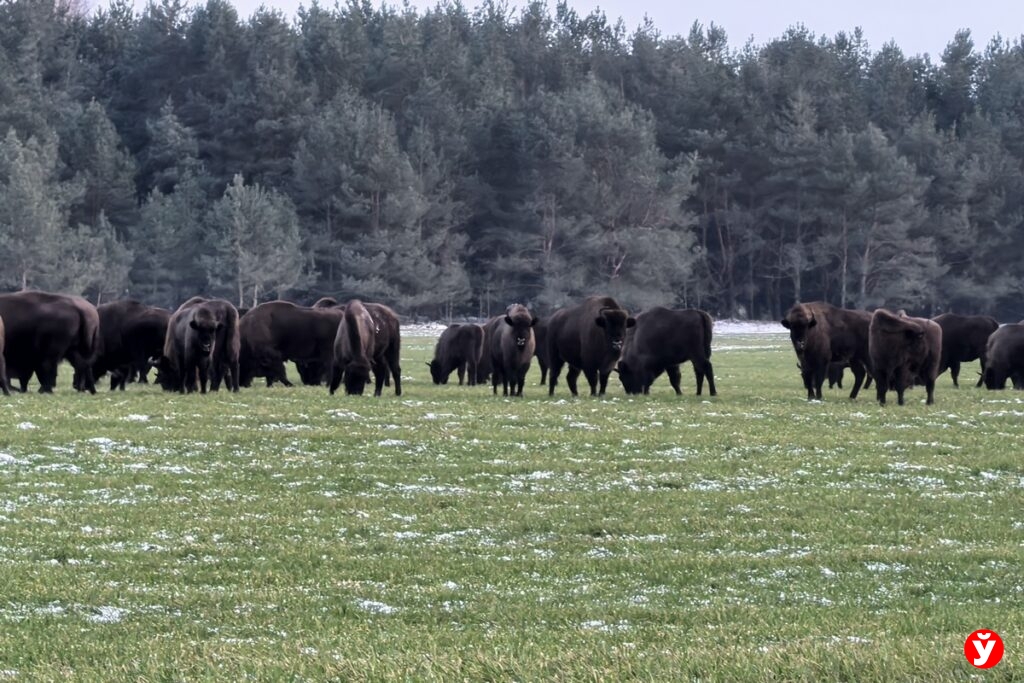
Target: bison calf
{"type": "Point", "coordinates": [904, 351]}
{"type": "Point", "coordinates": [458, 349]}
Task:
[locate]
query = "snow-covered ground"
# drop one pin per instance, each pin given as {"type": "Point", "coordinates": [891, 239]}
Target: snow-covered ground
{"type": "Point", "coordinates": [722, 328]}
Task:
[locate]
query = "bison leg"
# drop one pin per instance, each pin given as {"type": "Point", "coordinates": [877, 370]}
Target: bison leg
{"type": "Point", "coordinates": [335, 382]}
{"type": "Point", "coordinates": [592, 379]}
{"type": "Point", "coordinates": [471, 370]}
{"type": "Point", "coordinates": [808, 378]}
{"type": "Point", "coordinates": [461, 372]}
{"type": "Point", "coordinates": [571, 376]}
{"type": "Point", "coordinates": [954, 372]}
{"type": "Point", "coordinates": [47, 375]}
{"type": "Point", "coordinates": [881, 387]}
{"type": "Point", "coordinates": [675, 377]}
{"type": "Point", "coordinates": [929, 386]}
{"type": "Point", "coordinates": [603, 377]}
{"type": "Point", "coordinates": [709, 374]}
{"type": "Point", "coordinates": [858, 378]}
{"type": "Point", "coordinates": [495, 378]}
{"type": "Point", "coordinates": [554, 370]}
{"type": "Point", "coordinates": [543, 374]}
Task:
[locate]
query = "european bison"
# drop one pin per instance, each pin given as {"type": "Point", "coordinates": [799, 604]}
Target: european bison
{"type": "Point", "coordinates": [42, 330]}
{"type": "Point", "coordinates": [279, 331]}
{"type": "Point", "coordinates": [131, 333]}
{"type": "Point", "coordinates": [389, 347]}
{"type": "Point", "coordinates": [823, 334]}
{"type": "Point", "coordinates": [589, 338]}
{"type": "Point", "coordinates": [178, 368]}
{"type": "Point", "coordinates": [371, 332]}
{"type": "Point", "coordinates": [1004, 356]}
{"type": "Point", "coordinates": [904, 351]}
{"type": "Point", "coordinates": [661, 341]}
{"type": "Point", "coordinates": [511, 349]}
{"type": "Point", "coordinates": [964, 338]}
{"type": "Point", "coordinates": [354, 345]}
{"type": "Point", "coordinates": [458, 349]}
{"type": "Point", "coordinates": [4, 385]}
{"type": "Point", "coordinates": [540, 335]}
{"type": "Point", "coordinates": [313, 373]}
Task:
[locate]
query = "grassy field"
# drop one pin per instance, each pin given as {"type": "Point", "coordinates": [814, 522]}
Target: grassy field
{"type": "Point", "coordinates": [281, 534]}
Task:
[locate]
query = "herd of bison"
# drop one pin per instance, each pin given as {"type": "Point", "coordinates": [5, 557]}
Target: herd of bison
{"type": "Point", "coordinates": [207, 342]}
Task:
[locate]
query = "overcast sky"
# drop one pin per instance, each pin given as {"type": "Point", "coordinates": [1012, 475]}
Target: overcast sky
{"type": "Point", "coordinates": [917, 26]}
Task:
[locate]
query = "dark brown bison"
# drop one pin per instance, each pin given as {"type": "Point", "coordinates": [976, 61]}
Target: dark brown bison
{"type": "Point", "coordinates": [378, 331]}
{"type": "Point", "coordinates": [4, 384]}
{"type": "Point", "coordinates": [458, 349]}
{"type": "Point", "coordinates": [42, 330]}
{"type": "Point", "coordinates": [589, 338]}
{"type": "Point", "coordinates": [661, 341]}
{"type": "Point", "coordinates": [313, 373]}
{"type": "Point", "coordinates": [540, 336]}
{"type": "Point", "coordinates": [189, 340]}
{"type": "Point", "coordinates": [279, 331]}
{"type": "Point", "coordinates": [389, 348]}
{"type": "Point", "coordinates": [964, 338]}
{"type": "Point", "coordinates": [131, 334]}
{"type": "Point", "coordinates": [904, 351]}
{"type": "Point", "coordinates": [823, 334]}
{"type": "Point", "coordinates": [354, 346]}
{"type": "Point", "coordinates": [1004, 355]}
{"type": "Point", "coordinates": [511, 348]}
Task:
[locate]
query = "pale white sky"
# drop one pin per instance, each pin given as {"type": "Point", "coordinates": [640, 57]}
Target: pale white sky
{"type": "Point", "coordinates": [917, 26]}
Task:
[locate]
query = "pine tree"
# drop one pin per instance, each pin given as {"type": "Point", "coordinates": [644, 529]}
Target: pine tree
{"type": "Point", "coordinates": [257, 243]}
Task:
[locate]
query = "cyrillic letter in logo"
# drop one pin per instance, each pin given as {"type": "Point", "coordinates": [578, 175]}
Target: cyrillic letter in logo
{"type": "Point", "coordinates": [983, 649]}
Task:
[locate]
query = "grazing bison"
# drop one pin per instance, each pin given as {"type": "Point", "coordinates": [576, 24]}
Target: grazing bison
{"type": "Point", "coordinates": [186, 344]}
{"type": "Point", "coordinates": [964, 338]}
{"type": "Point", "coordinates": [279, 331]}
{"type": "Point", "coordinates": [589, 338]}
{"type": "Point", "coordinates": [459, 348]}
{"type": "Point", "coordinates": [131, 333]}
{"type": "Point", "coordinates": [1004, 355]}
{"type": "Point", "coordinates": [511, 348]}
{"type": "Point", "coordinates": [354, 346]}
{"type": "Point", "coordinates": [42, 330]}
{"type": "Point", "coordinates": [823, 334]}
{"type": "Point", "coordinates": [661, 341]}
{"type": "Point", "coordinates": [904, 351]}
{"type": "Point", "coordinates": [4, 385]}
{"type": "Point", "coordinates": [540, 335]}
{"type": "Point", "coordinates": [368, 338]}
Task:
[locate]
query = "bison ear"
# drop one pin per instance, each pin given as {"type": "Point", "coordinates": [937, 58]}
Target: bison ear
{"type": "Point", "coordinates": [600, 321]}
{"type": "Point", "coordinates": [508, 320]}
{"type": "Point", "coordinates": [630, 322]}
{"type": "Point", "coordinates": [192, 324]}
{"type": "Point", "coordinates": [785, 323]}
{"type": "Point", "coordinates": [533, 321]}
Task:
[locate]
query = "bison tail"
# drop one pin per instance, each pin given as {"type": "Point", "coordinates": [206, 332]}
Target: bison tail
{"type": "Point", "coordinates": [707, 323]}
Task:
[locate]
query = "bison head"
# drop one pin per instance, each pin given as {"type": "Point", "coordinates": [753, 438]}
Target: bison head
{"type": "Point", "coordinates": [205, 327]}
{"type": "Point", "coordinates": [995, 377]}
{"type": "Point", "coordinates": [357, 376]}
{"type": "Point", "coordinates": [519, 319]}
{"type": "Point", "coordinates": [799, 321]}
{"type": "Point", "coordinates": [437, 372]}
{"type": "Point", "coordinates": [167, 374]}
{"type": "Point", "coordinates": [614, 322]}
{"type": "Point", "coordinates": [632, 380]}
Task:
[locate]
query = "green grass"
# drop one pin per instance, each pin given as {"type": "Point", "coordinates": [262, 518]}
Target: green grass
{"type": "Point", "coordinates": [281, 534]}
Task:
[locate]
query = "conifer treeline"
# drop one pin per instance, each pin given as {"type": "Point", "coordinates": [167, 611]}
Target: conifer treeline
{"type": "Point", "coordinates": [454, 160]}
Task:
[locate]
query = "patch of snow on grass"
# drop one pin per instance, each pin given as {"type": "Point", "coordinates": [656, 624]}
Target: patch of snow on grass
{"type": "Point", "coordinates": [376, 607]}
